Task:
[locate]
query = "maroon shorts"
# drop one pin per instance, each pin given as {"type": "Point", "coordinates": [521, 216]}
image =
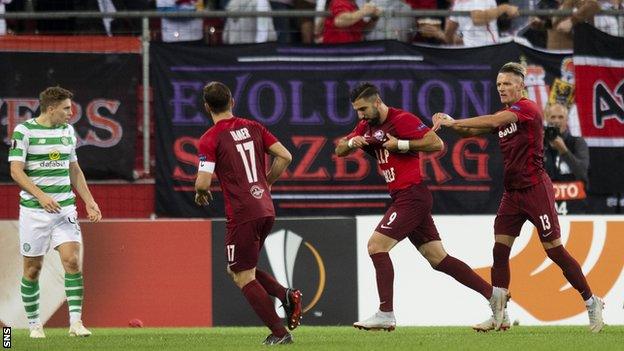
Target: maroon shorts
{"type": "Point", "coordinates": [244, 241]}
{"type": "Point", "coordinates": [536, 204]}
{"type": "Point", "coordinates": [409, 216]}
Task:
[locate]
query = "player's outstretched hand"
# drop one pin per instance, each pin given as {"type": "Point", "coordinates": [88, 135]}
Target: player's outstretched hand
{"type": "Point", "coordinates": [203, 198]}
{"type": "Point", "coordinates": [441, 119]}
{"type": "Point", "coordinates": [93, 212]}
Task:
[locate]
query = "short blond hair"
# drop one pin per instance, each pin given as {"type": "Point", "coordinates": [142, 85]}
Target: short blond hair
{"type": "Point", "coordinates": [513, 68]}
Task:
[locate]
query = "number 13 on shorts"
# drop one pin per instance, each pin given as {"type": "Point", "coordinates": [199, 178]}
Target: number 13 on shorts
{"type": "Point", "coordinates": [545, 221]}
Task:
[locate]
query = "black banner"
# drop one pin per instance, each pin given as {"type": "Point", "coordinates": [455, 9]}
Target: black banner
{"type": "Point", "coordinates": [104, 104]}
{"type": "Point", "coordinates": [301, 95]}
{"type": "Point", "coordinates": [316, 256]}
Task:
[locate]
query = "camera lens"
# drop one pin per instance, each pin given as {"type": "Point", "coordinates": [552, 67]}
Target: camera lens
{"type": "Point", "coordinates": [551, 132]}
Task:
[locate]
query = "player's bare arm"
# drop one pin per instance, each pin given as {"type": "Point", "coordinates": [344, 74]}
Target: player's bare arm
{"type": "Point", "coordinates": [486, 121]}
{"type": "Point", "coordinates": [347, 146]}
{"type": "Point", "coordinates": [202, 188]}
{"type": "Point", "coordinates": [79, 182]}
{"type": "Point", "coordinates": [430, 142]}
{"type": "Point", "coordinates": [441, 119]}
{"type": "Point", "coordinates": [282, 158]}
{"type": "Point", "coordinates": [19, 176]}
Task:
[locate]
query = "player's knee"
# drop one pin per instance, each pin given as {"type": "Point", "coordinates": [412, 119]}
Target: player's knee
{"type": "Point", "coordinates": [375, 247]}
{"type": "Point", "coordinates": [433, 256]}
{"type": "Point", "coordinates": [372, 248]}
{"type": "Point", "coordinates": [435, 261]}
{"type": "Point", "coordinates": [71, 264]}
{"type": "Point", "coordinates": [31, 272]}
{"type": "Point", "coordinates": [241, 278]}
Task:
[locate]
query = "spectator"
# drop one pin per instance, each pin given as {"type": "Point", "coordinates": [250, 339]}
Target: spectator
{"type": "Point", "coordinates": [478, 29]}
{"type": "Point", "coordinates": [559, 29]}
{"type": "Point", "coordinates": [306, 24]}
{"type": "Point", "coordinates": [609, 23]}
{"type": "Point", "coordinates": [520, 27]}
{"type": "Point", "coordinates": [181, 29]}
{"type": "Point", "coordinates": [347, 23]}
{"type": "Point", "coordinates": [538, 25]}
{"type": "Point", "coordinates": [248, 29]}
{"type": "Point", "coordinates": [283, 25]}
{"type": "Point", "coordinates": [566, 157]}
{"type": "Point", "coordinates": [426, 27]}
{"type": "Point", "coordinates": [429, 30]}
{"type": "Point", "coordinates": [395, 27]}
{"type": "Point", "coordinates": [3, 28]}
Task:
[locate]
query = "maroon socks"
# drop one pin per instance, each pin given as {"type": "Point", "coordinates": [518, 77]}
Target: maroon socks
{"type": "Point", "coordinates": [271, 285]}
{"type": "Point", "coordinates": [385, 279]}
{"type": "Point", "coordinates": [263, 306]}
{"type": "Point", "coordinates": [465, 275]}
{"type": "Point", "coordinates": [571, 270]}
{"type": "Point", "coordinates": [500, 269]}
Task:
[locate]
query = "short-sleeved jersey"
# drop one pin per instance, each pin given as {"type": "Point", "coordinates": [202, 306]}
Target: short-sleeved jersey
{"type": "Point", "coordinates": [237, 147]}
{"type": "Point", "coordinates": [46, 153]}
{"type": "Point", "coordinates": [522, 145]}
{"type": "Point", "coordinates": [400, 170]}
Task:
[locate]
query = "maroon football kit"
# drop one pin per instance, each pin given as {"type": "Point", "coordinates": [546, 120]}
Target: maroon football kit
{"type": "Point", "coordinates": [409, 215]}
{"type": "Point", "coordinates": [529, 194]}
{"type": "Point", "coordinates": [237, 147]}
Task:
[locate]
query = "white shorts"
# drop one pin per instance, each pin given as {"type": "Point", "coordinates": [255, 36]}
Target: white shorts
{"type": "Point", "coordinates": [40, 230]}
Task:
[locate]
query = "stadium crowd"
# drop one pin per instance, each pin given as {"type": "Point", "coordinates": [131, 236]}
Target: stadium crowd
{"type": "Point", "coordinates": [348, 21]}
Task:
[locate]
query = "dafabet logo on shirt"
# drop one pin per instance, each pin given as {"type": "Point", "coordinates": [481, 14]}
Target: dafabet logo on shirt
{"type": "Point", "coordinates": [541, 292]}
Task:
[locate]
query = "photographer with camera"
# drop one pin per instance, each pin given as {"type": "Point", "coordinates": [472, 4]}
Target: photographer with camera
{"type": "Point", "coordinates": [566, 157]}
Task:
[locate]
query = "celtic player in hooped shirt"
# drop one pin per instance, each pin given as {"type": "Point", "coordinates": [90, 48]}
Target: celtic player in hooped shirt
{"type": "Point", "coordinates": [44, 164]}
{"type": "Point", "coordinates": [529, 193]}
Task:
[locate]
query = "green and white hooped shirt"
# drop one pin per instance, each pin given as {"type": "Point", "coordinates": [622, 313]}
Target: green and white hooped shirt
{"type": "Point", "coordinates": [46, 153]}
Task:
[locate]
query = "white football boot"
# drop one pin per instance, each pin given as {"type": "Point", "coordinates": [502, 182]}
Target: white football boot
{"type": "Point", "coordinates": [595, 315]}
{"type": "Point", "coordinates": [36, 332]}
{"type": "Point", "coordinates": [498, 302]}
{"type": "Point", "coordinates": [77, 329]}
{"type": "Point", "coordinates": [379, 321]}
{"type": "Point", "coordinates": [490, 324]}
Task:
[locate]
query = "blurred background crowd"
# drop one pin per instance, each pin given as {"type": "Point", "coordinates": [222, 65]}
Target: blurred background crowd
{"type": "Point", "coordinates": [489, 21]}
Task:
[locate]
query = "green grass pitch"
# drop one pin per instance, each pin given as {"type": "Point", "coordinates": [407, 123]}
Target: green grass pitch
{"type": "Point", "coordinates": [329, 338]}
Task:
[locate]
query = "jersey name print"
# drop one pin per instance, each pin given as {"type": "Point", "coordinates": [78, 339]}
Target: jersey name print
{"type": "Point", "coordinates": [240, 134]}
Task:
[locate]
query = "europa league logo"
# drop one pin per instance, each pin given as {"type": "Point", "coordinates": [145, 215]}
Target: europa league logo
{"type": "Point", "coordinates": [282, 249]}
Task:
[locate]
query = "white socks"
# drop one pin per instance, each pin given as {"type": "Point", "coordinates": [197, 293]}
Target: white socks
{"type": "Point", "coordinates": [589, 301]}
